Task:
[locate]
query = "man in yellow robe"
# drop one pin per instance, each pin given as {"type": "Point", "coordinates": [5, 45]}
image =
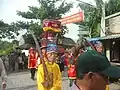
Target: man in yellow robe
{"type": "Point", "coordinates": [52, 68]}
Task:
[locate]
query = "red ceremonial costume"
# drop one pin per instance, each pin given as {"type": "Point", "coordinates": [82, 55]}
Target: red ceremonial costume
{"type": "Point", "coordinates": [32, 59]}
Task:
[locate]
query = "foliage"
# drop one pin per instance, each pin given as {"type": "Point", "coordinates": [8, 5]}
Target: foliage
{"type": "Point", "coordinates": [5, 30]}
{"type": "Point", "coordinates": [9, 31]}
{"type": "Point", "coordinates": [34, 26]}
{"type": "Point", "coordinates": [93, 15]}
{"type": "Point", "coordinates": [5, 47]}
{"type": "Point", "coordinates": [29, 39]}
{"type": "Point", "coordinates": [111, 7]}
{"type": "Point", "coordinates": [49, 9]}
{"type": "Point", "coordinates": [92, 18]}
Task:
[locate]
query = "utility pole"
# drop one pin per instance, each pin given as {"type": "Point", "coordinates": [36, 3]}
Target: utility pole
{"type": "Point", "coordinates": [102, 31]}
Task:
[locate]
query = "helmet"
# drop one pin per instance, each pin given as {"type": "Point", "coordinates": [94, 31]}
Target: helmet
{"type": "Point", "coordinates": [31, 49]}
{"type": "Point", "coordinates": [97, 43]}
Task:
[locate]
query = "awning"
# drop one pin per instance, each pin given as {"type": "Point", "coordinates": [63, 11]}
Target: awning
{"type": "Point", "coordinates": [108, 37]}
{"type": "Point", "coordinates": [25, 46]}
{"type": "Point", "coordinates": [68, 41]}
{"type": "Point", "coordinates": [115, 36]}
{"type": "Point", "coordinates": [94, 39]}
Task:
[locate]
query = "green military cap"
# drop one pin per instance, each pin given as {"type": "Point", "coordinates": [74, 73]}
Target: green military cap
{"type": "Point", "coordinates": [92, 61]}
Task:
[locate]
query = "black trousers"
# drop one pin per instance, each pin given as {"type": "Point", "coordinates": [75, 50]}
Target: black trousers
{"type": "Point", "coordinates": [20, 66]}
{"type": "Point", "coordinates": [61, 66]}
{"type": "Point", "coordinates": [33, 72]}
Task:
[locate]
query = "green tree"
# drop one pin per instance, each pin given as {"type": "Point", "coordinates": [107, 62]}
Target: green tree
{"type": "Point", "coordinates": [4, 30]}
{"type": "Point", "coordinates": [5, 47]}
{"type": "Point", "coordinates": [9, 31]}
{"type": "Point", "coordinates": [92, 18]}
{"type": "Point", "coordinates": [93, 15]}
{"type": "Point", "coordinates": [49, 9]}
{"type": "Point", "coordinates": [112, 6]}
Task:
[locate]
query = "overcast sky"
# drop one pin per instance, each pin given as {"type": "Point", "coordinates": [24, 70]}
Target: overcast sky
{"type": "Point", "coordinates": [8, 10]}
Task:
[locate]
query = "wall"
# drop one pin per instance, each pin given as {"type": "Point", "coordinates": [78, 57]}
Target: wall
{"type": "Point", "coordinates": [114, 25]}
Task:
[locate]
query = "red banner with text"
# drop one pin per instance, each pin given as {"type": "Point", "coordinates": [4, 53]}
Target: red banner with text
{"type": "Point", "coordinates": [78, 17]}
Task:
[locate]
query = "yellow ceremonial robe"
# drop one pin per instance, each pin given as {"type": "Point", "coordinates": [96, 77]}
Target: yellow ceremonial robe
{"type": "Point", "coordinates": [52, 68]}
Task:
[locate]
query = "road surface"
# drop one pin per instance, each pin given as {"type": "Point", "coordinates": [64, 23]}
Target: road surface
{"type": "Point", "coordinates": [22, 81]}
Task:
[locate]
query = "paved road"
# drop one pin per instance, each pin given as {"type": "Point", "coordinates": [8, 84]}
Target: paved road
{"type": "Point", "coordinates": [22, 81]}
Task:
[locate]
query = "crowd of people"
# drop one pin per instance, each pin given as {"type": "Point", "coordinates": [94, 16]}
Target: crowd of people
{"type": "Point", "coordinates": [14, 61]}
{"type": "Point", "coordinates": [87, 69]}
